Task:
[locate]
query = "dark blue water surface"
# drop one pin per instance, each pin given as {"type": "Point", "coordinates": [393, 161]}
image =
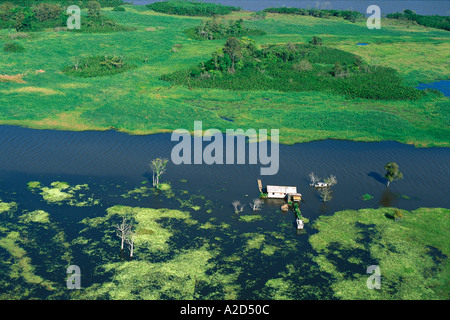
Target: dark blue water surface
{"type": "Point", "coordinates": [113, 156]}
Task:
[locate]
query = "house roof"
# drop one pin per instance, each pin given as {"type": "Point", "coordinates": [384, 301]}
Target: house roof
{"type": "Point", "coordinates": [281, 189]}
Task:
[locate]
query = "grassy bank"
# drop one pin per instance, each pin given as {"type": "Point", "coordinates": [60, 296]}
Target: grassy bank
{"type": "Point", "coordinates": [35, 92]}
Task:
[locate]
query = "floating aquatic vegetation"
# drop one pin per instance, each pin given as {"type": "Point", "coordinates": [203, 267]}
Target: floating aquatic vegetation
{"type": "Point", "coordinates": [6, 207]}
{"type": "Point", "coordinates": [137, 193]}
{"type": "Point", "coordinates": [250, 217]}
{"type": "Point", "coordinates": [177, 278]}
{"type": "Point", "coordinates": [366, 197]}
{"type": "Point", "coordinates": [412, 255]}
{"type": "Point", "coordinates": [63, 193]}
{"type": "Point", "coordinates": [39, 216]}
{"type": "Point", "coordinates": [21, 266]}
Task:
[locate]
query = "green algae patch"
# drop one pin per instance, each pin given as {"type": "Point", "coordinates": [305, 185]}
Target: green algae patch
{"type": "Point", "coordinates": [177, 278]}
{"type": "Point", "coordinates": [63, 193]}
{"type": "Point", "coordinates": [137, 193]}
{"type": "Point", "coordinates": [39, 216]}
{"type": "Point", "coordinates": [412, 253]}
{"type": "Point", "coordinates": [250, 218]}
{"type": "Point", "coordinates": [21, 266]}
{"type": "Point", "coordinates": [6, 207]}
{"type": "Point", "coordinates": [149, 231]}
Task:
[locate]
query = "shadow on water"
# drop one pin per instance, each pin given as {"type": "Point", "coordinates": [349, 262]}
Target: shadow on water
{"type": "Point", "coordinates": [378, 177]}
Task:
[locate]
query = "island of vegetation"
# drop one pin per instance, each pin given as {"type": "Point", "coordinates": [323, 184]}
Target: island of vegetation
{"type": "Point", "coordinates": [301, 69]}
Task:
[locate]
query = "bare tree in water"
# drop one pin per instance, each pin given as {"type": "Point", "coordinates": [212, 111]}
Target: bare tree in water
{"type": "Point", "coordinates": [122, 231]}
{"type": "Point", "coordinates": [256, 204]}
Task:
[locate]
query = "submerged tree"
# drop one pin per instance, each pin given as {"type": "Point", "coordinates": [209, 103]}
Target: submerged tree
{"type": "Point", "coordinates": [122, 231]}
{"type": "Point", "coordinates": [392, 172]}
{"type": "Point", "coordinates": [256, 204]}
{"type": "Point", "coordinates": [238, 207]}
{"type": "Point", "coordinates": [331, 181]}
{"type": "Point", "coordinates": [158, 167]}
{"type": "Point", "coordinates": [326, 194]}
{"type": "Point", "coordinates": [313, 178]}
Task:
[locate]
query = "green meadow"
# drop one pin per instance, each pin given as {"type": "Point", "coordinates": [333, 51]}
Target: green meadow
{"type": "Point", "coordinates": [36, 92]}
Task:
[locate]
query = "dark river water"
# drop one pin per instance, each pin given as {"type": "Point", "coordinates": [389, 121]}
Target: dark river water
{"type": "Point", "coordinates": [27, 154]}
{"type": "Point", "coordinates": [441, 7]}
{"type": "Point", "coordinates": [113, 163]}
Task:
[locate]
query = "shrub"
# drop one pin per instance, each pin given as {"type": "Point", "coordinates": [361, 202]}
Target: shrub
{"type": "Point", "coordinates": [316, 41]}
{"type": "Point", "coordinates": [94, 9]}
{"type": "Point", "coordinates": [98, 66]}
{"type": "Point", "coordinates": [13, 47]}
{"type": "Point", "coordinates": [303, 65]}
{"type": "Point", "coordinates": [47, 11]}
{"type": "Point", "coordinates": [118, 9]}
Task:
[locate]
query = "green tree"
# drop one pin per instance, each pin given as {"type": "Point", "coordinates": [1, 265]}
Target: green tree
{"type": "Point", "coordinates": [158, 167]}
{"type": "Point", "coordinates": [47, 11]}
{"type": "Point", "coordinates": [316, 41]}
{"type": "Point", "coordinates": [24, 18]}
{"type": "Point", "coordinates": [233, 47]}
{"type": "Point", "coordinates": [392, 172]}
{"type": "Point", "coordinates": [94, 9]}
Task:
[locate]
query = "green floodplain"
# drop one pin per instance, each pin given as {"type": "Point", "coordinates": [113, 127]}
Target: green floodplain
{"type": "Point", "coordinates": [38, 90]}
{"type": "Point", "coordinates": [144, 72]}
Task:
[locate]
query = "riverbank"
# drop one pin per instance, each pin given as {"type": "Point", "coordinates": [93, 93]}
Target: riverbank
{"type": "Point", "coordinates": [139, 102]}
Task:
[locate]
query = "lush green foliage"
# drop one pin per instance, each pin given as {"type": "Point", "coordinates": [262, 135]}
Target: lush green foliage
{"type": "Point", "coordinates": [13, 47]}
{"type": "Point", "coordinates": [295, 67]}
{"type": "Point", "coordinates": [119, 9]}
{"type": "Point", "coordinates": [80, 3]}
{"type": "Point", "coordinates": [352, 16]}
{"type": "Point", "coordinates": [53, 15]}
{"type": "Point", "coordinates": [150, 102]}
{"type": "Point", "coordinates": [191, 8]}
{"type": "Point", "coordinates": [434, 21]}
{"type": "Point", "coordinates": [98, 66]}
{"type": "Point", "coordinates": [219, 29]}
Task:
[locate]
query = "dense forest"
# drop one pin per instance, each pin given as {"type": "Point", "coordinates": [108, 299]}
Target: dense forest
{"type": "Point", "coordinates": [352, 16]}
{"type": "Point", "coordinates": [240, 65]}
{"type": "Point", "coordinates": [435, 21]}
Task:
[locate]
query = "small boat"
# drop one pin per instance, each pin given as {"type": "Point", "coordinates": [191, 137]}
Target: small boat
{"type": "Point", "coordinates": [320, 185]}
{"type": "Point", "coordinates": [300, 224]}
